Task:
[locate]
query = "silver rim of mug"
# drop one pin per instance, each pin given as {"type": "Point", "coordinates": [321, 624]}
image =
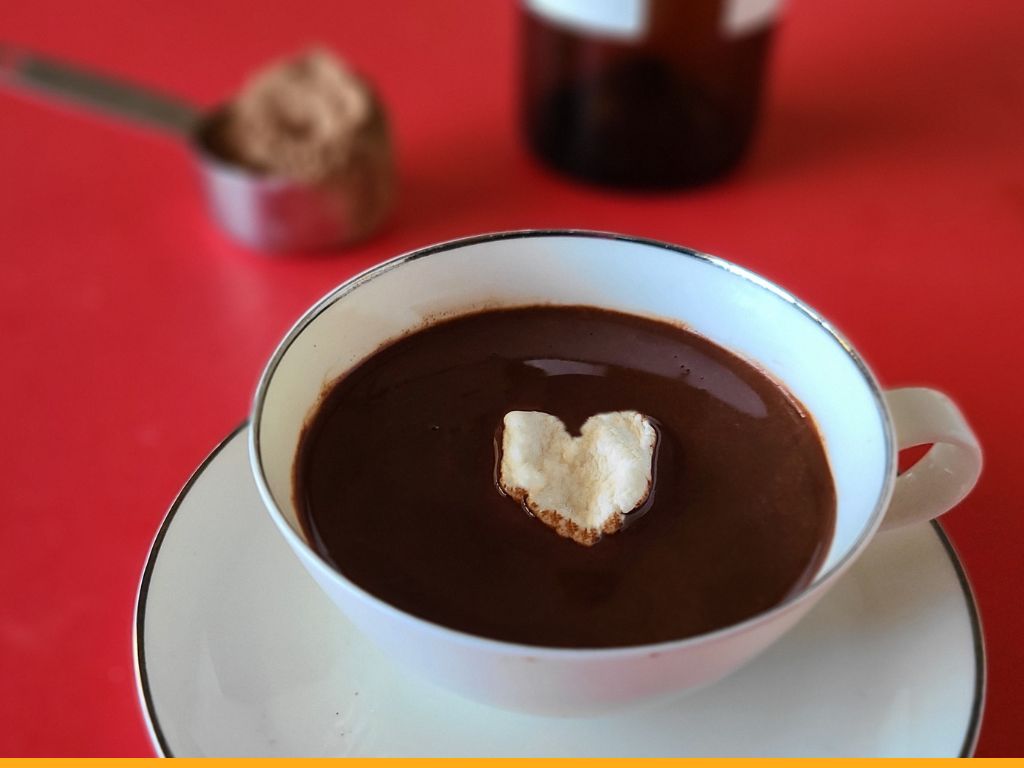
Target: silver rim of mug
{"type": "Point", "coordinates": [820, 581]}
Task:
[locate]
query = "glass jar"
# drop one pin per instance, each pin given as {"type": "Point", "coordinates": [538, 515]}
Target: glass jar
{"type": "Point", "coordinates": [643, 93]}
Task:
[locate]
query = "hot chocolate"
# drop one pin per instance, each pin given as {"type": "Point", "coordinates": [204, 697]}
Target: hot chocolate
{"type": "Point", "coordinates": [396, 486]}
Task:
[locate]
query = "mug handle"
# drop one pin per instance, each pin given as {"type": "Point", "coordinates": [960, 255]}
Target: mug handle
{"type": "Point", "coordinates": [950, 468]}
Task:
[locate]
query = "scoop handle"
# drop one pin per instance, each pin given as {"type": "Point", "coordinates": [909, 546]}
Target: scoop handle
{"type": "Point", "coordinates": [950, 468]}
{"type": "Point", "coordinates": [68, 83]}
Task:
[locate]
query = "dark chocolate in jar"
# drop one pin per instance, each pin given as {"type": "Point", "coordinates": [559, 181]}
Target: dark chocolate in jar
{"type": "Point", "coordinates": [395, 481]}
{"type": "Point", "coordinates": [675, 108]}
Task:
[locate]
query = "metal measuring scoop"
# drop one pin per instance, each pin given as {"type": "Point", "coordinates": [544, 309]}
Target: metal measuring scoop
{"type": "Point", "coordinates": [263, 211]}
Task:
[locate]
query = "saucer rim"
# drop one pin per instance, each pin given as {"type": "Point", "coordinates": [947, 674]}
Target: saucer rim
{"type": "Point", "coordinates": [163, 749]}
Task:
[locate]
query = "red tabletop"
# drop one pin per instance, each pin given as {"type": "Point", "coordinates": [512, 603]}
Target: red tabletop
{"type": "Point", "coordinates": [886, 188]}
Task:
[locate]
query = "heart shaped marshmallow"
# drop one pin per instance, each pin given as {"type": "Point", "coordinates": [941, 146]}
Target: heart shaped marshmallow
{"type": "Point", "coordinates": [582, 487]}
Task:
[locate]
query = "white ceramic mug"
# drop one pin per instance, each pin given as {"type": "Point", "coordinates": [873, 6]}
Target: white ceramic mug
{"type": "Point", "coordinates": [862, 429]}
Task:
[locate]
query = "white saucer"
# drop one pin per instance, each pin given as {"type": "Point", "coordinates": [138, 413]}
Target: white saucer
{"type": "Point", "coordinates": [239, 653]}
